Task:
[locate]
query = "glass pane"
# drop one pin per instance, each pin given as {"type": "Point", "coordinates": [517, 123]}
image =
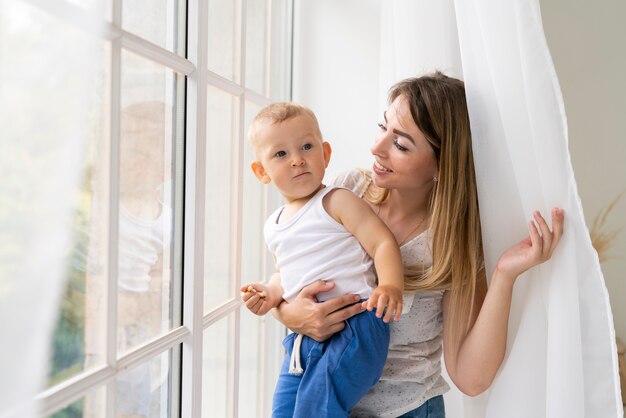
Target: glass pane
{"type": "Point", "coordinates": [146, 390]}
{"type": "Point", "coordinates": [280, 51]}
{"type": "Point", "coordinates": [251, 364]}
{"type": "Point", "coordinates": [76, 345]}
{"type": "Point", "coordinates": [147, 136]}
{"type": "Point", "coordinates": [83, 407]}
{"type": "Point", "coordinates": [102, 8]}
{"type": "Point", "coordinates": [256, 45]}
{"type": "Point", "coordinates": [253, 249]}
{"type": "Point", "coordinates": [220, 215]}
{"type": "Point", "coordinates": [217, 366]}
{"type": "Point", "coordinates": [223, 51]}
{"type": "Point", "coordinates": [158, 21]}
{"type": "Point", "coordinates": [253, 244]}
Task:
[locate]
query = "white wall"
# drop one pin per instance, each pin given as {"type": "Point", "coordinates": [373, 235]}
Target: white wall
{"type": "Point", "coordinates": [336, 51]}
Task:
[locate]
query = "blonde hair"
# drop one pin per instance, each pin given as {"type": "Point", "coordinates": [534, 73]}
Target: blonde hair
{"type": "Point", "coordinates": [439, 110]}
{"type": "Point", "coordinates": [279, 112]}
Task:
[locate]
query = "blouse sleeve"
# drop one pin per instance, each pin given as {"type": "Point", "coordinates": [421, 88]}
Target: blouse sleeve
{"type": "Point", "coordinates": [355, 180]}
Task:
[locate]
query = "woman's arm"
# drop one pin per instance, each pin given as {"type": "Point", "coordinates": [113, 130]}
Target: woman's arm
{"type": "Point", "coordinates": [318, 320]}
{"type": "Point", "coordinates": [473, 364]}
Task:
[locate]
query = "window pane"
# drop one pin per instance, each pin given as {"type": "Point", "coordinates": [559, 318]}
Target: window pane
{"type": "Point", "coordinates": [75, 346]}
{"type": "Point", "coordinates": [98, 7]}
{"type": "Point", "coordinates": [147, 136]}
{"type": "Point", "coordinates": [223, 32]}
{"type": "Point", "coordinates": [253, 250]}
{"type": "Point", "coordinates": [280, 50]}
{"type": "Point", "coordinates": [158, 21]}
{"type": "Point", "coordinates": [253, 244]}
{"type": "Point", "coordinates": [83, 407]}
{"type": "Point", "coordinates": [146, 390]}
{"type": "Point", "coordinates": [220, 214]}
{"type": "Point", "coordinates": [256, 45]}
{"type": "Point", "coordinates": [217, 366]}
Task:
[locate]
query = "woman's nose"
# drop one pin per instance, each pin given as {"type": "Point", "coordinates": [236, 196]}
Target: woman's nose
{"type": "Point", "coordinates": [379, 144]}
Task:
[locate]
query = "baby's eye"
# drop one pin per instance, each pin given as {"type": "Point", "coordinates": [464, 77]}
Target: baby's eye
{"type": "Point", "coordinates": [399, 146]}
{"type": "Point", "coordinates": [382, 127]}
{"type": "Point", "coordinates": [280, 154]}
{"type": "Point", "coordinates": [307, 147]}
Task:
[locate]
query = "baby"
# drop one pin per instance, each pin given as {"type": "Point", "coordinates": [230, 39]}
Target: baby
{"type": "Point", "coordinates": [322, 232]}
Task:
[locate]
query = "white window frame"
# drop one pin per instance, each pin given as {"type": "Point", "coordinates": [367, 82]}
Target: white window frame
{"type": "Point", "coordinates": [190, 235]}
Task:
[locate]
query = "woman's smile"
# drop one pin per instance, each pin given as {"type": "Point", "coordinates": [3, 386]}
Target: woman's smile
{"type": "Point", "coordinates": [379, 168]}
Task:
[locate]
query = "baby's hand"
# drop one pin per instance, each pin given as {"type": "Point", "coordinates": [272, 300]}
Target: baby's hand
{"type": "Point", "coordinates": [385, 297]}
{"type": "Point", "coordinates": [257, 298]}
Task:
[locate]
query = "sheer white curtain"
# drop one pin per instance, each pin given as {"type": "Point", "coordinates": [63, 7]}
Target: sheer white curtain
{"type": "Point", "coordinates": [561, 357]}
{"type": "Point", "coordinates": [48, 75]}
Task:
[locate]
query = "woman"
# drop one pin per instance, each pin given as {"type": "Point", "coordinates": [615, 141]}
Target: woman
{"type": "Point", "coordinates": [422, 185]}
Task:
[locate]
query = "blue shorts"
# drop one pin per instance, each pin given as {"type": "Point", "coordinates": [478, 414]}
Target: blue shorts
{"type": "Point", "coordinates": [432, 408]}
{"type": "Point", "coordinates": [337, 372]}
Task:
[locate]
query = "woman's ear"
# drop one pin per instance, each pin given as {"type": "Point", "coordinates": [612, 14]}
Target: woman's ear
{"type": "Point", "coordinates": [327, 152]}
{"type": "Point", "coordinates": [259, 172]}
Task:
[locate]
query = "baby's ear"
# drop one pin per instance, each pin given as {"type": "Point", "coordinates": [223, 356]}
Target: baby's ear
{"type": "Point", "coordinates": [327, 152]}
{"type": "Point", "coordinates": [259, 172]}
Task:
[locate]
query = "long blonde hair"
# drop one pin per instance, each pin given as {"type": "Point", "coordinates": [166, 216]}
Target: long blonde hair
{"type": "Point", "coordinates": [439, 110]}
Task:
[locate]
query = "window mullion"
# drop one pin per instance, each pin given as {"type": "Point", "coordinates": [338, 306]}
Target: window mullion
{"type": "Point", "coordinates": [114, 176]}
{"type": "Point", "coordinates": [233, 398]}
{"type": "Point", "coordinates": [195, 180]}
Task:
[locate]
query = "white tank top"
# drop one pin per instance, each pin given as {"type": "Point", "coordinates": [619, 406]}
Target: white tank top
{"type": "Point", "coordinates": [312, 245]}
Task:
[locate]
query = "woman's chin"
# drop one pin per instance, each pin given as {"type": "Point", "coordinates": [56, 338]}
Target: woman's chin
{"type": "Point", "coordinates": [379, 180]}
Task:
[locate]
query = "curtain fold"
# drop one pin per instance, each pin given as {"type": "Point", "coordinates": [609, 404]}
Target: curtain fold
{"type": "Point", "coordinates": [561, 359]}
{"type": "Point", "coordinates": [49, 73]}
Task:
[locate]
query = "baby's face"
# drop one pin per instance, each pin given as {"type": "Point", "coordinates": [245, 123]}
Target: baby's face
{"type": "Point", "coordinates": [293, 156]}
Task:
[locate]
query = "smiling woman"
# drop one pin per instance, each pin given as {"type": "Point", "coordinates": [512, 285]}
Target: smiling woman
{"type": "Point", "coordinates": [414, 37]}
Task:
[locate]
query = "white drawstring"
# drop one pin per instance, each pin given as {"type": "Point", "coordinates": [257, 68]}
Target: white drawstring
{"type": "Point", "coordinates": [294, 364]}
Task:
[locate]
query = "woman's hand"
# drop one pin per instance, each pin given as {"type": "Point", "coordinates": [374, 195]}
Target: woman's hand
{"type": "Point", "coordinates": [317, 320]}
{"type": "Point", "coordinates": [534, 249]}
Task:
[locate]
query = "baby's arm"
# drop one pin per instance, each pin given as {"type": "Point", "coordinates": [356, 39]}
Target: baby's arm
{"type": "Point", "coordinates": [261, 298]}
{"type": "Point", "coordinates": [359, 219]}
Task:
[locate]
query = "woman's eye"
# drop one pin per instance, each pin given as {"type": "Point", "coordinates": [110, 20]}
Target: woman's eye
{"type": "Point", "coordinates": [382, 127]}
{"type": "Point", "coordinates": [280, 154]}
{"type": "Point", "coordinates": [307, 147]}
{"type": "Point", "coordinates": [399, 146]}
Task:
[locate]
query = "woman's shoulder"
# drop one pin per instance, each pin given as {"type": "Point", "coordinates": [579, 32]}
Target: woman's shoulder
{"type": "Point", "coordinates": [357, 180]}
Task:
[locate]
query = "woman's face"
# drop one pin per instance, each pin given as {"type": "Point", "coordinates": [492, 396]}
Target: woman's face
{"type": "Point", "coordinates": [404, 158]}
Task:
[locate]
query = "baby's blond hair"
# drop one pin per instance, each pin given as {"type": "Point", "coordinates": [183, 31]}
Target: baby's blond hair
{"type": "Point", "coordinates": [279, 112]}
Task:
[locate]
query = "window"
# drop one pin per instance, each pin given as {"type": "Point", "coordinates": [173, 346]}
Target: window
{"type": "Point", "coordinates": [170, 221]}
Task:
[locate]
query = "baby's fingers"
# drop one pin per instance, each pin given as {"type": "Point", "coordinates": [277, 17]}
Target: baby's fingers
{"type": "Point", "coordinates": [394, 309]}
{"type": "Point", "coordinates": [383, 301]}
{"type": "Point", "coordinates": [398, 311]}
{"type": "Point", "coordinates": [253, 301]}
{"type": "Point", "coordinates": [251, 290]}
{"type": "Point", "coordinates": [372, 302]}
{"type": "Point", "coordinates": [389, 313]}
